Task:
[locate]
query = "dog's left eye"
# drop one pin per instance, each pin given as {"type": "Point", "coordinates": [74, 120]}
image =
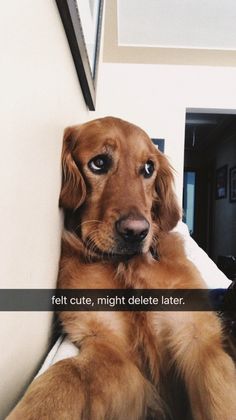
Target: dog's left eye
{"type": "Point", "coordinates": [100, 164]}
{"type": "Point", "coordinates": [148, 169]}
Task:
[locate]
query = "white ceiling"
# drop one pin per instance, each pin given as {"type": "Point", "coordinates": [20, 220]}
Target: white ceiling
{"type": "Point", "coordinates": [204, 24]}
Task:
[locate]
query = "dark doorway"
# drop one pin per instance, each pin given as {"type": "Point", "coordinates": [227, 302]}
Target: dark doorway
{"type": "Point", "coordinates": [210, 155]}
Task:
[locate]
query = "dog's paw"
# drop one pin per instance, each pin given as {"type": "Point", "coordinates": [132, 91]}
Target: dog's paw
{"type": "Point", "coordinates": [83, 389]}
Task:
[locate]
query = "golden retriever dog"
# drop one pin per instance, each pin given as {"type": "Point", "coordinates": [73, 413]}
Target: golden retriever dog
{"type": "Point", "coordinates": [120, 210]}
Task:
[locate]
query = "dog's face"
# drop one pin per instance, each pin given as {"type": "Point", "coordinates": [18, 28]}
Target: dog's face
{"type": "Point", "coordinates": [120, 185]}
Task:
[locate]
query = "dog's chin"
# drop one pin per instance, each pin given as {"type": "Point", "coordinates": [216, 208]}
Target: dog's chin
{"type": "Point", "coordinates": [115, 258]}
{"type": "Point", "coordinates": [117, 253]}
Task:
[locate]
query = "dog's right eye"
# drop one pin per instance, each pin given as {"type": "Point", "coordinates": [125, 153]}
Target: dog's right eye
{"type": "Point", "coordinates": [100, 164]}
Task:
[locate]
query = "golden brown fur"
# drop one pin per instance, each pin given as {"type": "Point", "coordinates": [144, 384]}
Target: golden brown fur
{"type": "Point", "coordinates": [124, 369]}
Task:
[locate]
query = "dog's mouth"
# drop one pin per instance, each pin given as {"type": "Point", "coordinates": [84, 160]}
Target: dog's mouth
{"type": "Point", "coordinates": [117, 253]}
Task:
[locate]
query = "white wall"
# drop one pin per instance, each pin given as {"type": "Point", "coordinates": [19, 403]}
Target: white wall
{"type": "Point", "coordinates": [156, 97]}
{"type": "Point", "coordinates": [40, 95]}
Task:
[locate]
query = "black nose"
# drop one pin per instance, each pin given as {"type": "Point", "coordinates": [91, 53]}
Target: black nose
{"type": "Point", "coordinates": [132, 229]}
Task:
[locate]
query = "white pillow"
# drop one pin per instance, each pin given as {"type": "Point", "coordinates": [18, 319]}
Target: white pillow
{"type": "Point", "coordinates": [209, 271]}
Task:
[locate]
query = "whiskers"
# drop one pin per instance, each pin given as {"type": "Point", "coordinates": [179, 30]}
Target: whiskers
{"type": "Point", "coordinates": [92, 222]}
{"type": "Point", "coordinates": [94, 246]}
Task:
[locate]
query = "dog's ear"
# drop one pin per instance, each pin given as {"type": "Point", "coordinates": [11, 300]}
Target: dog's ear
{"type": "Point", "coordinates": [73, 190]}
{"type": "Point", "coordinates": [166, 211]}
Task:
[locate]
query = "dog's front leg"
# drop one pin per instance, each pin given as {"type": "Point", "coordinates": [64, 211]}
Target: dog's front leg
{"type": "Point", "coordinates": [195, 343]}
{"type": "Point", "coordinates": [100, 383]}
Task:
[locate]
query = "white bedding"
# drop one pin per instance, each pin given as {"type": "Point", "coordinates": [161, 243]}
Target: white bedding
{"type": "Point", "coordinates": [213, 277]}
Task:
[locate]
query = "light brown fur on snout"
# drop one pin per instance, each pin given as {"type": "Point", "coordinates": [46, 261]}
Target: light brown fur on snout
{"type": "Point", "coordinates": [131, 365]}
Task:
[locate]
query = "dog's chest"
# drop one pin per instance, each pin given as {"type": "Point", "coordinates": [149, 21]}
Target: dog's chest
{"type": "Point", "coordinates": [144, 344]}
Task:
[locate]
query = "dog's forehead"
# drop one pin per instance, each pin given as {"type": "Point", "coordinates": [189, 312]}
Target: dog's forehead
{"type": "Point", "coordinates": [114, 134]}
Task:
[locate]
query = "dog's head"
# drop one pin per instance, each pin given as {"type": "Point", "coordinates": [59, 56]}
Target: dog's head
{"type": "Point", "coordinates": [118, 185]}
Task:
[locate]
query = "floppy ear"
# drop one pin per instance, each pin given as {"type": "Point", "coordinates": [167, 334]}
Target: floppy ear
{"type": "Point", "coordinates": [166, 211]}
{"type": "Point", "coordinates": [73, 190]}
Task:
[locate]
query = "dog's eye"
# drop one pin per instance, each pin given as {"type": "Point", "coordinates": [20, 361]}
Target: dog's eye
{"type": "Point", "coordinates": [100, 164]}
{"type": "Point", "coordinates": [148, 169]}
